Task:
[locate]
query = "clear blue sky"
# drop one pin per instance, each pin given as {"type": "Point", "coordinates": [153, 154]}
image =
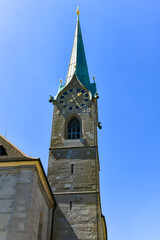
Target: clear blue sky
{"type": "Point", "coordinates": [121, 41]}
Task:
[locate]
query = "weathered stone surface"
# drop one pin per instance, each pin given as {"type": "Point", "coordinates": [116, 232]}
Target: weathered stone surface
{"type": "Point", "coordinates": [84, 169]}
{"type": "Point", "coordinates": [22, 199]}
{"type": "Point", "coordinates": [73, 173]}
{"type": "Point", "coordinates": [80, 222]}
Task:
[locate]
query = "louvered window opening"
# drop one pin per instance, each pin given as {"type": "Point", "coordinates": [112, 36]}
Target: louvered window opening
{"type": "Point", "coordinates": [74, 129]}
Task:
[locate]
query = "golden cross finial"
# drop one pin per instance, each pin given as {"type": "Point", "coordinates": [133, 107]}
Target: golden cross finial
{"type": "Point", "coordinates": [60, 80]}
{"type": "Point", "coordinates": [77, 11]}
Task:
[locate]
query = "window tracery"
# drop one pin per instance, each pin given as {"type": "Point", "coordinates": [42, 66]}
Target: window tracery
{"type": "Point", "coordinates": [74, 129]}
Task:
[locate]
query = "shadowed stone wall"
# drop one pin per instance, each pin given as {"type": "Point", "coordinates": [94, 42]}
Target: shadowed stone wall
{"type": "Point", "coordinates": [78, 222]}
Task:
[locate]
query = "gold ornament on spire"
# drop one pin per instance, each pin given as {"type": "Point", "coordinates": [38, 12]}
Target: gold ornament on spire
{"type": "Point", "coordinates": [61, 81]}
{"type": "Point", "coordinates": [77, 11]}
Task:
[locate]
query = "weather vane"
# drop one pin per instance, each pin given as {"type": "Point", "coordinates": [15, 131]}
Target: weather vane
{"type": "Point", "coordinates": [77, 11]}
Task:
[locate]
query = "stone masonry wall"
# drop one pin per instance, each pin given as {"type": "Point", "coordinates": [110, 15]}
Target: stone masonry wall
{"type": "Point", "coordinates": [21, 202]}
{"type": "Point", "coordinates": [73, 173]}
{"type": "Point", "coordinates": [88, 127]}
{"type": "Point", "coordinates": [15, 199]}
{"type": "Point", "coordinates": [76, 222]}
{"type": "Point", "coordinates": [73, 170]}
{"type": "Point", "coordinates": [39, 205]}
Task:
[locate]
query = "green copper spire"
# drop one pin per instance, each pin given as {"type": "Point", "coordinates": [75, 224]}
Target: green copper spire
{"type": "Point", "coordinates": [78, 63]}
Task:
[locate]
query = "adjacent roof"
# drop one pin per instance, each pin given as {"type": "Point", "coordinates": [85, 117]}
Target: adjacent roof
{"type": "Point", "coordinates": [12, 156]}
{"type": "Point", "coordinates": [10, 152]}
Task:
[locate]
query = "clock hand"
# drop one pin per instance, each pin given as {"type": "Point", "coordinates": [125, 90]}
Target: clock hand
{"type": "Point", "coordinates": [71, 101]}
{"type": "Point", "coordinates": [73, 97]}
{"type": "Point", "coordinates": [77, 103]}
{"type": "Point", "coordinates": [80, 94]}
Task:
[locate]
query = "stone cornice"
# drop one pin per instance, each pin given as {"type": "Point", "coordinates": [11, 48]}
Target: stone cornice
{"type": "Point", "coordinates": [59, 148]}
{"type": "Point", "coordinates": [80, 192]}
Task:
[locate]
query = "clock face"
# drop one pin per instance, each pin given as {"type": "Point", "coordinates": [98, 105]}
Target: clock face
{"type": "Point", "coordinates": [74, 99]}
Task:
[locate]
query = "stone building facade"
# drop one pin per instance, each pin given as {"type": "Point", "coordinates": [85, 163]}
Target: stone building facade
{"type": "Point", "coordinates": [65, 205]}
{"type": "Point", "coordinates": [26, 199]}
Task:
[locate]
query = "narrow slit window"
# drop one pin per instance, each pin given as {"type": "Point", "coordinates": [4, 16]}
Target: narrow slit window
{"type": "Point", "coordinates": [40, 227]}
{"type": "Point", "coordinates": [70, 205]}
{"type": "Point", "coordinates": [72, 170]}
{"type": "Point", "coordinates": [74, 129]}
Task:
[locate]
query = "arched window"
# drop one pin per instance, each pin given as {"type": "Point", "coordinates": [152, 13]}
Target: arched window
{"type": "Point", "coordinates": [40, 227]}
{"type": "Point", "coordinates": [74, 129]}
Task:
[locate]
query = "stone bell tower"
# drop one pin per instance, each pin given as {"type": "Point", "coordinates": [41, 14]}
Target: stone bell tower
{"type": "Point", "coordinates": [73, 169]}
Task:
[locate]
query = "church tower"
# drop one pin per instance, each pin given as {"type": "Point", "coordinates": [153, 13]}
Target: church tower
{"type": "Point", "coordinates": [73, 169]}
